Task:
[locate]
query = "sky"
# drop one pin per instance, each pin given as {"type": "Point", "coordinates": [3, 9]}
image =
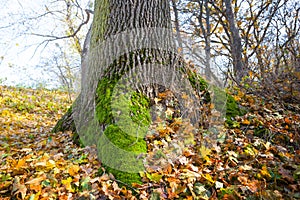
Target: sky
{"type": "Point", "coordinates": [21, 53]}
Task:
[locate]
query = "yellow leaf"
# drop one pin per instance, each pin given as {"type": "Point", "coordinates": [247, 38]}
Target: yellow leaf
{"type": "Point", "coordinates": [237, 98]}
{"type": "Point", "coordinates": [50, 164]}
{"type": "Point", "coordinates": [179, 50]}
{"type": "Point", "coordinates": [251, 151]}
{"type": "Point", "coordinates": [267, 145]}
{"type": "Point", "coordinates": [264, 172]}
{"type": "Point", "coordinates": [209, 178]}
{"type": "Point", "coordinates": [204, 152]}
{"type": "Point", "coordinates": [169, 112]}
{"type": "Point", "coordinates": [67, 184]}
{"type": "Point", "coordinates": [161, 127]}
{"type": "Point", "coordinates": [185, 96]}
{"type": "Point", "coordinates": [189, 174]}
{"type": "Point", "coordinates": [156, 177]}
{"type": "Point", "coordinates": [156, 100]}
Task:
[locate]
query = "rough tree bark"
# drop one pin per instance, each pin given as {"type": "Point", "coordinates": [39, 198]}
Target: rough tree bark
{"type": "Point", "coordinates": [113, 18]}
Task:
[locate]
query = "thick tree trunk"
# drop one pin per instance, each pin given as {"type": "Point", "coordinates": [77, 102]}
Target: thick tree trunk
{"type": "Point", "coordinates": [132, 53]}
{"type": "Point", "coordinates": [113, 18]}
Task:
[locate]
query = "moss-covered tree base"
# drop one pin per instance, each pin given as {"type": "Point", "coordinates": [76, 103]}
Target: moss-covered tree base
{"type": "Point", "coordinates": [125, 118]}
{"type": "Point", "coordinates": [66, 123]}
{"type": "Point", "coordinates": [120, 154]}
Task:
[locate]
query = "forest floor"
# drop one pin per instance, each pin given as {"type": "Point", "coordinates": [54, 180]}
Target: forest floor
{"type": "Point", "coordinates": [258, 159]}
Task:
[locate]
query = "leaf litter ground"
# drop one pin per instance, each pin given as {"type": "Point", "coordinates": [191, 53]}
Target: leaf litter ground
{"type": "Point", "coordinates": [258, 159]}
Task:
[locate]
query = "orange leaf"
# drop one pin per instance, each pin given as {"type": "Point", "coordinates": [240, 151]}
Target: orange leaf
{"type": "Point", "coordinates": [171, 194]}
{"type": "Point", "coordinates": [168, 169]}
{"type": "Point", "coordinates": [243, 180]}
{"type": "Point", "coordinates": [253, 186]}
{"type": "Point", "coordinates": [246, 122]}
{"type": "Point", "coordinates": [21, 163]}
{"type": "Point", "coordinates": [287, 120]}
{"type": "Point", "coordinates": [36, 188]}
{"type": "Point", "coordinates": [189, 198]}
{"type": "Point", "coordinates": [73, 170]}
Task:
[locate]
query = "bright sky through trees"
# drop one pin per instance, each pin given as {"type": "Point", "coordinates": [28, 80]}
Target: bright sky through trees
{"type": "Point", "coordinates": [23, 56]}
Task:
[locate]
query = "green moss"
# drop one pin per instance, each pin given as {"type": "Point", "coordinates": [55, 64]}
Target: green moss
{"type": "Point", "coordinates": [260, 131]}
{"type": "Point", "coordinates": [103, 100]}
{"type": "Point", "coordinates": [232, 110]}
{"type": "Point", "coordinates": [219, 97]}
{"type": "Point", "coordinates": [120, 154]}
{"type": "Point", "coordinates": [66, 123]}
{"type": "Point", "coordinates": [126, 116]}
{"type": "Point", "coordinates": [139, 108]}
{"type": "Point", "coordinates": [125, 177]}
{"type": "Point", "coordinates": [199, 84]}
{"type": "Point", "coordinates": [91, 134]}
{"type": "Point", "coordinates": [125, 141]}
{"type": "Point", "coordinates": [197, 81]}
{"type": "Point", "coordinates": [58, 126]}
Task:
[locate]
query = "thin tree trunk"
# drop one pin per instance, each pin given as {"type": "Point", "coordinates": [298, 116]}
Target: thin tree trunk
{"type": "Point", "coordinates": [235, 43]}
{"type": "Point", "coordinates": [175, 10]}
{"type": "Point", "coordinates": [206, 33]}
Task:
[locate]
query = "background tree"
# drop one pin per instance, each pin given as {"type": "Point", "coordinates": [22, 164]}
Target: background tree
{"type": "Point", "coordinates": [246, 34]}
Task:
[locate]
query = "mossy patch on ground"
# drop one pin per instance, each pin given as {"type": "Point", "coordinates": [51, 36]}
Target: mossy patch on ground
{"type": "Point", "coordinates": [232, 110]}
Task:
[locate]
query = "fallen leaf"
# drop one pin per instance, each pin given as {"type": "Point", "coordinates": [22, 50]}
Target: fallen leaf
{"type": "Point", "coordinates": [67, 183]}
{"type": "Point", "coordinates": [73, 170]}
{"type": "Point", "coordinates": [19, 188]}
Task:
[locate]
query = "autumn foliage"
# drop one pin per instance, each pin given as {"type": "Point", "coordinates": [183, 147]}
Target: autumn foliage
{"type": "Point", "coordinates": [258, 158]}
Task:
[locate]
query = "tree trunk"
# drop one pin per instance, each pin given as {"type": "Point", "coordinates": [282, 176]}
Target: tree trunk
{"type": "Point", "coordinates": [235, 43]}
{"type": "Point", "coordinates": [132, 58]}
{"type": "Point", "coordinates": [119, 140]}
{"type": "Point", "coordinates": [206, 31]}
